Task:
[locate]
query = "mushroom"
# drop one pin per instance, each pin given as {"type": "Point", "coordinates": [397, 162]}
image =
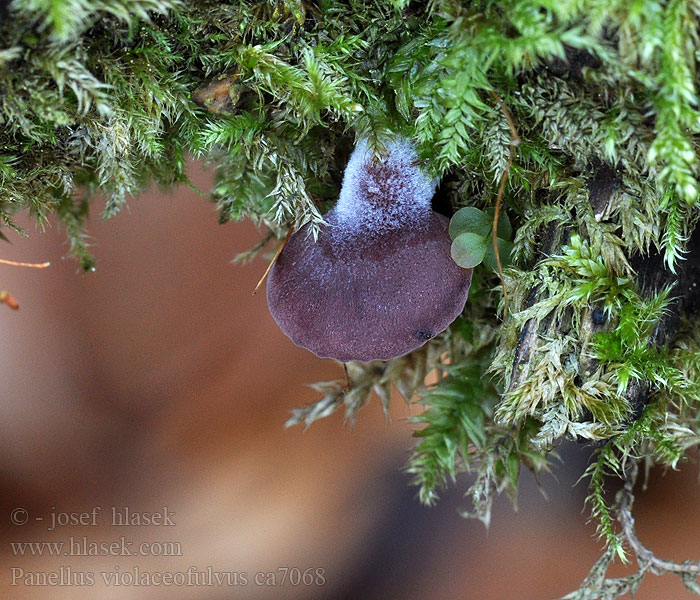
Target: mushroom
{"type": "Point", "coordinates": [379, 281]}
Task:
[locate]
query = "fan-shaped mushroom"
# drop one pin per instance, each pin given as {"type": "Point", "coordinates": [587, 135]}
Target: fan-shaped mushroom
{"type": "Point", "coordinates": [379, 281]}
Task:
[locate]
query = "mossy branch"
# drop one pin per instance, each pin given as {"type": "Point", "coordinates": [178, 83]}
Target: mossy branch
{"type": "Point", "coordinates": [100, 98]}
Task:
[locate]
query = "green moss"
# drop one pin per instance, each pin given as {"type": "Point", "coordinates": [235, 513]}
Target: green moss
{"type": "Point", "coordinates": [101, 97]}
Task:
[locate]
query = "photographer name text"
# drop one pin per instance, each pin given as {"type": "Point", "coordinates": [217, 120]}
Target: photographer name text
{"type": "Point", "coordinates": [115, 516]}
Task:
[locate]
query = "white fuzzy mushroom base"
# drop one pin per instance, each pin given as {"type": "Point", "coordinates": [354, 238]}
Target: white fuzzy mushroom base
{"type": "Point", "coordinates": [378, 196]}
{"type": "Point", "coordinates": [379, 281]}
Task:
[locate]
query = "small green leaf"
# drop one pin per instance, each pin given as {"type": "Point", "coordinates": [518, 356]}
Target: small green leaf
{"type": "Point", "coordinates": [468, 249]}
{"type": "Point", "coordinates": [470, 220]}
{"type": "Point", "coordinates": [504, 250]}
{"type": "Point", "coordinates": [504, 227]}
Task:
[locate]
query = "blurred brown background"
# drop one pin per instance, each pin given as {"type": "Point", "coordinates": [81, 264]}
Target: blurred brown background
{"type": "Point", "coordinates": [160, 381]}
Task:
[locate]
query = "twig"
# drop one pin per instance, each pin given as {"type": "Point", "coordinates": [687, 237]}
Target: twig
{"type": "Point", "coordinates": [645, 557]}
{"type": "Point", "coordinates": [597, 585]}
{"type": "Point", "coordinates": [13, 263]}
{"type": "Point", "coordinates": [6, 298]}
{"type": "Point", "coordinates": [274, 258]}
{"type": "Point", "coordinates": [514, 141]}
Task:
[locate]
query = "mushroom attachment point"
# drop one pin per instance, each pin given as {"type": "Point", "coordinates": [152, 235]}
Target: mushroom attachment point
{"type": "Point", "coordinates": [379, 281]}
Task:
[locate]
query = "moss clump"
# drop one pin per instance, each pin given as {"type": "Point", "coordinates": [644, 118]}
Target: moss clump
{"type": "Point", "coordinates": [100, 97]}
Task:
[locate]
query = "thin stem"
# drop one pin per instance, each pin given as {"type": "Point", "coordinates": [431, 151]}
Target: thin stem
{"type": "Point", "coordinates": [6, 298]}
{"type": "Point", "coordinates": [13, 263]}
{"type": "Point", "coordinates": [274, 259]}
{"type": "Point", "coordinates": [514, 141]}
{"type": "Point", "coordinates": [645, 557]}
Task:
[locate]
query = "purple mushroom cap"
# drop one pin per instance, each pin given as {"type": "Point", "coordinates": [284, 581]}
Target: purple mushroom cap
{"type": "Point", "coordinates": [379, 281]}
